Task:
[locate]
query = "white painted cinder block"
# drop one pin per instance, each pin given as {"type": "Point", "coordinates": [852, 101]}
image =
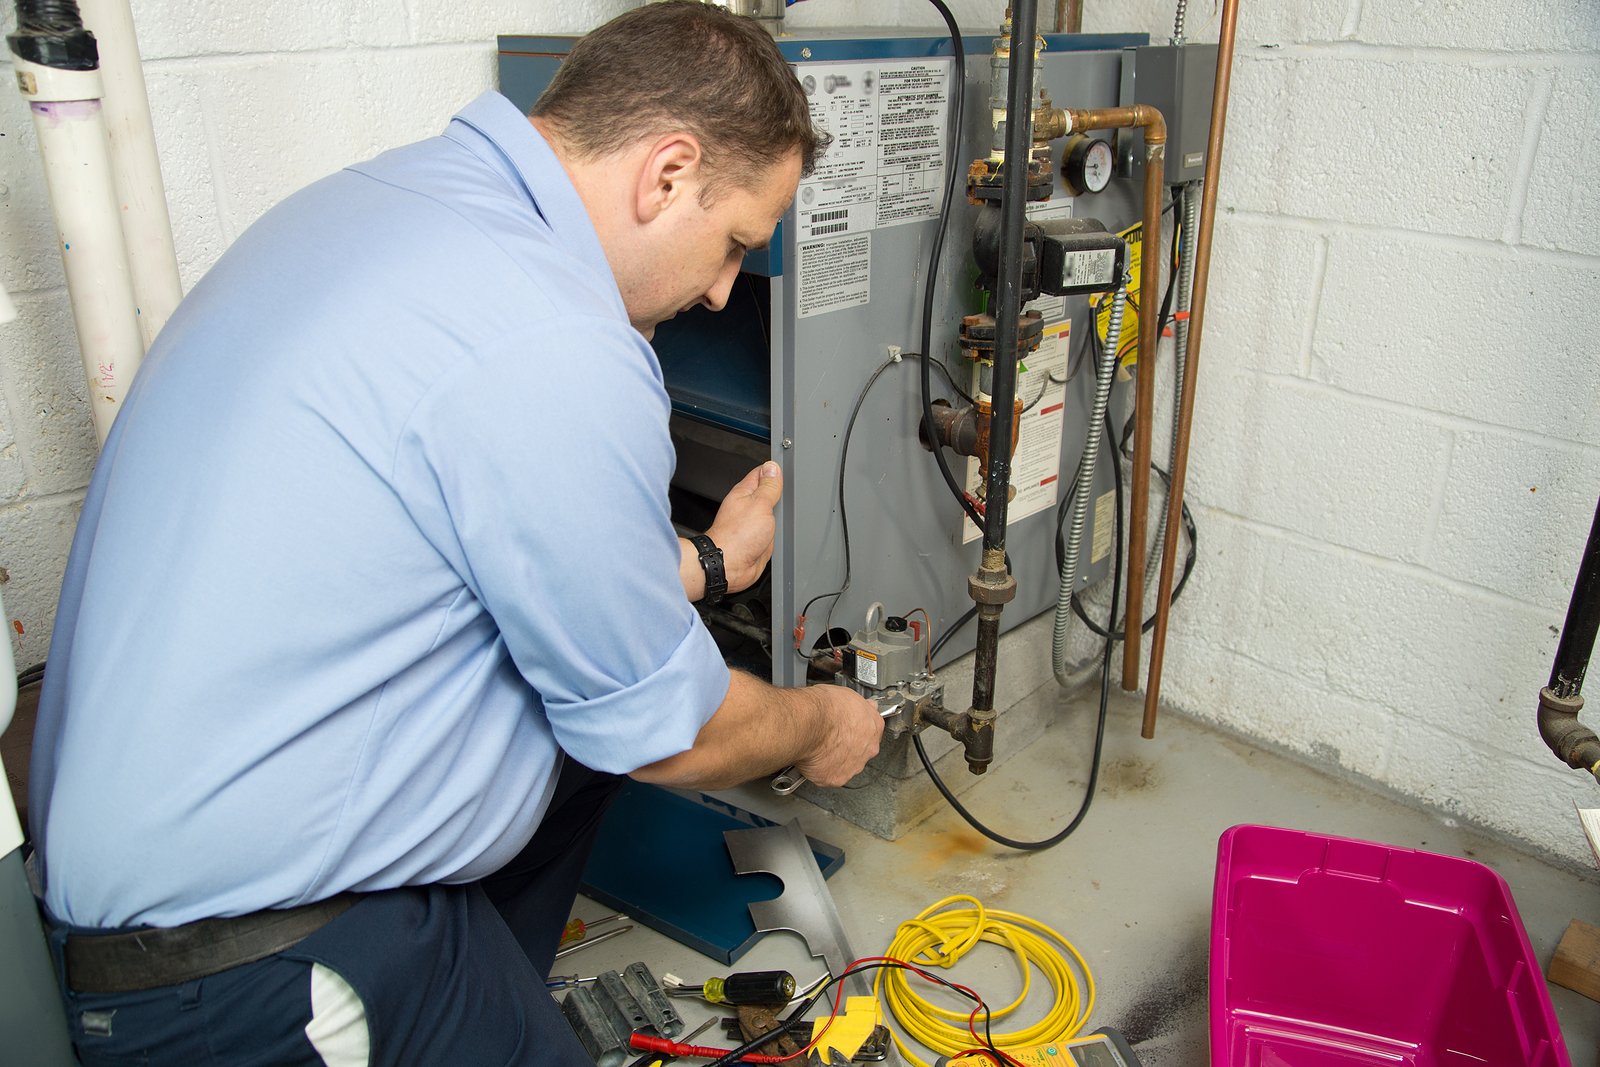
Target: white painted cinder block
{"type": "Point", "coordinates": [13, 473]}
{"type": "Point", "coordinates": [1515, 515]}
{"type": "Point", "coordinates": [1531, 26]}
{"type": "Point", "coordinates": [1261, 295]}
{"type": "Point", "coordinates": [270, 136]}
{"type": "Point", "coordinates": [1219, 686]}
{"type": "Point", "coordinates": [50, 410]}
{"type": "Point", "coordinates": [34, 539]}
{"type": "Point", "coordinates": [1303, 457]}
{"type": "Point", "coordinates": [447, 21]}
{"type": "Point", "coordinates": [177, 112]}
{"type": "Point", "coordinates": [1351, 146]}
{"type": "Point", "coordinates": [1433, 650]}
{"type": "Point", "coordinates": [1531, 795]}
{"type": "Point", "coordinates": [1476, 331]}
{"type": "Point", "coordinates": [1563, 208]}
{"type": "Point", "coordinates": [166, 29]}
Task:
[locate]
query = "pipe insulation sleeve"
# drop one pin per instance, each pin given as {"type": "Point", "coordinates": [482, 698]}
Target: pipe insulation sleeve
{"type": "Point", "coordinates": [70, 125]}
{"type": "Point", "coordinates": [1104, 375]}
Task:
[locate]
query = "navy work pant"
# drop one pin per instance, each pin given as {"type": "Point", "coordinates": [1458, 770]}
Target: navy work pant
{"type": "Point", "coordinates": [448, 975]}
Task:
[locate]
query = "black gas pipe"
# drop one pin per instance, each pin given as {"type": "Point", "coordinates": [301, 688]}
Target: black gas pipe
{"type": "Point", "coordinates": [1562, 699]}
{"type": "Point", "coordinates": [992, 586]}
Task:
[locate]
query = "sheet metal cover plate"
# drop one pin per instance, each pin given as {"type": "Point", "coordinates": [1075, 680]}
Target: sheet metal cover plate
{"type": "Point", "coordinates": [660, 857]}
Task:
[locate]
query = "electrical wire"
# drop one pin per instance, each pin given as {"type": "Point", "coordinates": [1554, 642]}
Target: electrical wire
{"type": "Point", "coordinates": [844, 518]}
{"type": "Point", "coordinates": [952, 173]}
{"type": "Point", "coordinates": [879, 963]}
{"type": "Point", "coordinates": [942, 934]}
{"type": "Point", "coordinates": [1100, 724]}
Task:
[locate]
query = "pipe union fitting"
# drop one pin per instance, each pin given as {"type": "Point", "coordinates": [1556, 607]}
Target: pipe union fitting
{"type": "Point", "coordinates": [986, 588]}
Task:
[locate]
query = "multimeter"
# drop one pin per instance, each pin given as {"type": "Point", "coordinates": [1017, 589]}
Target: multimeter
{"type": "Point", "coordinates": [1103, 1048]}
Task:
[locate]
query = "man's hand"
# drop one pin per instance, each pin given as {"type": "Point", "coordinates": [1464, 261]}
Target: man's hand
{"type": "Point", "coordinates": [852, 729]}
{"type": "Point", "coordinates": [743, 528]}
{"type": "Point", "coordinates": [828, 731]}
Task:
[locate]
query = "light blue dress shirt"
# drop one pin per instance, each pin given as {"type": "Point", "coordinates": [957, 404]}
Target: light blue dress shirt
{"type": "Point", "coordinates": [382, 529]}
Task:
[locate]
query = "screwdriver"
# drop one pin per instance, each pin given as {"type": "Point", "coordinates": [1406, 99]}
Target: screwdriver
{"type": "Point", "coordinates": [577, 928]}
{"type": "Point", "coordinates": [597, 939]}
{"type": "Point", "coordinates": [745, 987]}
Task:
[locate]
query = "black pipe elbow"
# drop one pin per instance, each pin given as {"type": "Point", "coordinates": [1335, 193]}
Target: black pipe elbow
{"type": "Point", "coordinates": [1573, 743]}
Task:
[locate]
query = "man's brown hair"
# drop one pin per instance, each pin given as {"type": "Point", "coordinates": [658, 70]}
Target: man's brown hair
{"type": "Point", "coordinates": [683, 65]}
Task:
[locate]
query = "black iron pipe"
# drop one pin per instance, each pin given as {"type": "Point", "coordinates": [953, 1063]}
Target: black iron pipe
{"type": "Point", "coordinates": [1560, 702]}
{"type": "Point", "coordinates": [1013, 202]}
{"type": "Point", "coordinates": [1583, 620]}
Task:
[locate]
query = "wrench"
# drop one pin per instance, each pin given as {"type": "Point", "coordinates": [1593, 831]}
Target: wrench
{"type": "Point", "coordinates": [786, 781]}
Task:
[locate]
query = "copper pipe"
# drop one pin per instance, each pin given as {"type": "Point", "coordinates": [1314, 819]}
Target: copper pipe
{"type": "Point", "coordinates": [1069, 16]}
{"type": "Point", "coordinates": [1149, 119]}
{"type": "Point", "coordinates": [1197, 314]}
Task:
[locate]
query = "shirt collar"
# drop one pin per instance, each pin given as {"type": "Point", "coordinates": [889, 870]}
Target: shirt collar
{"type": "Point", "coordinates": [507, 140]}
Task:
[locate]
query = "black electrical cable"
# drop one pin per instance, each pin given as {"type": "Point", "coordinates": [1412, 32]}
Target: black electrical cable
{"type": "Point", "coordinates": [29, 675]}
{"type": "Point", "coordinates": [1100, 724]}
{"type": "Point", "coordinates": [950, 631]}
{"type": "Point", "coordinates": [952, 173]}
{"type": "Point", "coordinates": [1177, 590]}
{"type": "Point", "coordinates": [796, 1017]}
{"type": "Point", "coordinates": [844, 518]}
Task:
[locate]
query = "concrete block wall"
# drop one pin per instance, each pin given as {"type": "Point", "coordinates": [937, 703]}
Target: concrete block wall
{"type": "Point", "coordinates": [1398, 445]}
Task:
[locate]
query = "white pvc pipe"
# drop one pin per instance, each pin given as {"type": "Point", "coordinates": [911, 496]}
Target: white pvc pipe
{"type": "Point", "coordinates": [72, 141]}
{"type": "Point", "coordinates": [10, 828]}
{"type": "Point", "coordinates": [135, 168]}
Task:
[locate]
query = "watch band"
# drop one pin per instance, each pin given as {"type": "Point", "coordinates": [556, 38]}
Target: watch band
{"type": "Point", "coordinates": [711, 563]}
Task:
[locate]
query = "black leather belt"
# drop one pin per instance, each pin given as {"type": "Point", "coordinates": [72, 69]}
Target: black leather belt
{"type": "Point", "coordinates": [163, 956]}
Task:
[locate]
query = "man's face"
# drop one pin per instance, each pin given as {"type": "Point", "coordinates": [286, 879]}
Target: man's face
{"type": "Point", "coordinates": [696, 259]}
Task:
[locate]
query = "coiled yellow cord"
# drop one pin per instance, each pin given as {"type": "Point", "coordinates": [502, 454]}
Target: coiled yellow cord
{"type": "Point", "coordinates": [939, 938]}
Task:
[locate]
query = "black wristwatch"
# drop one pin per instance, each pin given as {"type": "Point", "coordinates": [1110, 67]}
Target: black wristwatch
{"type": "Point", "coordinates": [711, 563]}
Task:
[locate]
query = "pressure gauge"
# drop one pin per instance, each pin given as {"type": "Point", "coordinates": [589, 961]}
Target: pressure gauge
{"type": "Point", "coordinates": [1086, 164]}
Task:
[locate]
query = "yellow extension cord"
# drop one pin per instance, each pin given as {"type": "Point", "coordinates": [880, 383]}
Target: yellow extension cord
{"type": "Point", "coordinates": [940, 938]}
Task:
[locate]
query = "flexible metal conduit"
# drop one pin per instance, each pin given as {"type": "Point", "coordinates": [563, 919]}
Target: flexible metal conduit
{"type": "Point", "coordinates": [1180, 352]}
{"type": "Point", "coordinates": [1146, 118]}
{"type": "Point", "coordinates": [1104, 375]}
{"type": "Point", "coordinates": [1180, 463]}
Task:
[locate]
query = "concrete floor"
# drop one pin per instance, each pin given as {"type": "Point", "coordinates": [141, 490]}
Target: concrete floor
{"type": "Point", "coordinates": [1131, 888]}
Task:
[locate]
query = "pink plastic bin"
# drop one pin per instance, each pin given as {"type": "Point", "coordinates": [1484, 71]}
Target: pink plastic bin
{"type": "Point", "coordinates": [1328, 952]}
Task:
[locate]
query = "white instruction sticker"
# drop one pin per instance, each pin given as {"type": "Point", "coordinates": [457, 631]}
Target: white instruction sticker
{"type": "Point", "coordinates": [885, 164]}
{"type": "Point", "coordinates": [1036, 464]}
{"type": "Point", "coordinates": [835, 274]}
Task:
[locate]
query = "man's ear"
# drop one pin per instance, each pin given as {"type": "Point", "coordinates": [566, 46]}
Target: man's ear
{"type": "Point", "coordinates": [671, 171]}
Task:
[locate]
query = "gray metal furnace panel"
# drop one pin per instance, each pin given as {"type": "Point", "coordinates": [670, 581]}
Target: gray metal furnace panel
{"type": "Point", "coordinates": [905, 529]}
{"type": "Point", "coordinates": [906, 549]}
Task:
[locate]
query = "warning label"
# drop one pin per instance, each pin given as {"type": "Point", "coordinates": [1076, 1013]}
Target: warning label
{"type": "Point", "coordinates": [835, 274]}
{"type": "Point", "coordinates": [885, 164]}
{"type": "Point", "coordinates": [1036, 465]}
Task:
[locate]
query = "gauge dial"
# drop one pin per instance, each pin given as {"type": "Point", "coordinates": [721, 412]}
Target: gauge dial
{"type": "Point", "coordinates": [1087, 164]}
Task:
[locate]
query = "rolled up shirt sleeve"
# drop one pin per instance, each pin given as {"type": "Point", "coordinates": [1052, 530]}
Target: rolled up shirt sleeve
{"type": "Point", "coordinates": [544, 484]}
